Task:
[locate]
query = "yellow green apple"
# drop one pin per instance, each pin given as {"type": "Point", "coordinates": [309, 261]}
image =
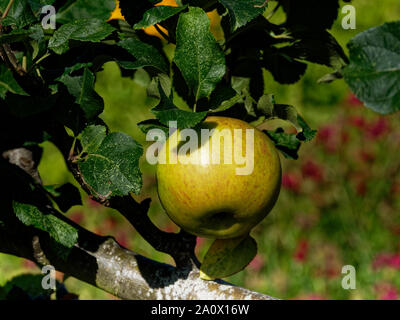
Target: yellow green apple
{"type": "Point", "coordinates": [223, 186]}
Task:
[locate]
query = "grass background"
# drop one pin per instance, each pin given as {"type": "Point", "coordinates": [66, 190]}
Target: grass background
{"type": "Point", "coordinates": [339, 204]}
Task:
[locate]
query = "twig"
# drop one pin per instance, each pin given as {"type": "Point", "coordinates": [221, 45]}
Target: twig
{"type": "Point", "coordinates": [7, 9]}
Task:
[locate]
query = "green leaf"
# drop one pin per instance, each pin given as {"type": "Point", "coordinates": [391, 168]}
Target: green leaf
{"type": "Point", "coordinates": [92, 137]}
{"type": "Point", "coordinates": [82, 88]}
{"type": "Point", "coordinates": [223, 97]}
{"type": "Point", "coordinates": [29, 284]}
{"type": "Point", "coordinates": [227, 257]}
{"type": "Point", "coordinates": [147, 125]}
{"type": "Point", "coordinates": [112, 169]}
{"type": "Point", "coordinates": [59, 230]}
{"type": "Point", "coordinates": [158, 14]}
{"type": "Point", "coordinates": [8, 83]}
{"type": "Point", "coordinates": [197, 54]}
{"type": "Point", "coordinates": [153, 88]}
{"type": "Point", "coordinates": [287, 143]}
{"type": "Point", "coordinates": [307, 134]}
{"type": "Point", "coordinates": [243, 11]}
{"type": "Point", "coordinates": [145, 54]}
{"type": "Point", "coordinates": [133, 11]}
{"type": "Point", "coordinates": [20, 13]}
{"type": "Point", "coordinates": [85, 9]}
{"type": "Point", "coordinates": [88, 30]}
{"type": "Point", "coordinates": [17, 35]}
{"type": "Point", "coordinates": [374, 70]}
{"type": "Point", "coordinates": [166, 111]}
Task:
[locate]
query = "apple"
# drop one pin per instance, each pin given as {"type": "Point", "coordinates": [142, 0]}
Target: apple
{"type": "Point", "coordinates": [219, 199]}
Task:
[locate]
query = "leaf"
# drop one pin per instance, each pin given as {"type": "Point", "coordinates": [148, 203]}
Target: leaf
{"type": "Point", "coordinates": [112, 169]}
{"type": "Point", "coordinates": [17, 35]}
{"type": "Point", "coordinates": [307, 134]}
{"type": "Point", "coordinates": [147, 125]}
{"type": "Point", "coordinates": [82, 88]}
{"type": "Point", "coordinates": [85, 9]}
{"type": "Point", "coordinates": [165, 81]}
{"type": "Point", "coordinates": [313, 14]}
{"type": "Point", "coordinates": [133, 10]}
{"type": "Point", "coordinates": [197, 54]}
{"type": "Point", "coordinates": [30, 286]}
{"type": "Point", "coordinates": [92, 137]}
{"type": "Point", "coordinates": [145, 54]}
{"type": "Point", "coordinates": [227, 257]}
{"type": "Point", "coordinates": [158, 14]}
{"type": "Point", "coordinates": [88, 30]}
{"type": "Point", "coordinates": [8, 83]}
{"type": "Point", "coordinates": [166, 111]}
{"type": "Point", "coordinates": [65, 196]}
{"type": "Point", "coordinates": [285, 69]}
{"type": "Point", "coordinates": [374, 70]}
{"type": "Point", "coordinates": [59, 230]}
{"type": "Point", "coordinates": [20, 13]}
{"type": "Point", "coordinates": [221, 97]}
{"type": "Point", "coordinates": [243, 11]}
{"type": "Point", "coordinates": [287, 143]}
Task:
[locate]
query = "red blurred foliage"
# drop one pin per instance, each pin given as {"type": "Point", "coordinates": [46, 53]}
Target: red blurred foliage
{"type": "Point", "coordinates": [391, 260]}
{"type": "Point", "coordinates": [257, 263]}
{"type": "Point", "coordinates": [311, 296]}
{"type": "Point", "coordinates": [77, 216]}
{"type": "Point", "coordinates": [314, 171]}
{"type": "Point", "coordinates": [367, 156]}
{"type": "Point", "coordinates": [377, 128]}
{"type": "Point", "coordinates": [199, 241]}
{"type": "Point", "coordinates": [109, 224]}
{"type": "Point", "coordinates": [291, 181]}
{"type": "Point", "coordinates": [386, 291]}
{"type": "Point", "coordinates": [357, 121]}
{"type": "Point", "coordinates": [300, 254]}
{"type": "Point", "coordinates": [353, 101]}
{"type": "Point", "coordinates": [28, 264]}
{"type": "Point", "coordinates": [122, 239]}
{"type": "Point", "coordinates": [328, 136]}
{"type": "Point", "coordinates": [361, 188]}
{"type": "Point", "coordinates": [93, 204]}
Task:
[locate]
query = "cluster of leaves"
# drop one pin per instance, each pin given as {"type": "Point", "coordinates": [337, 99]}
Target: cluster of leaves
{"type": "Point", "coordinates": [47, 80]}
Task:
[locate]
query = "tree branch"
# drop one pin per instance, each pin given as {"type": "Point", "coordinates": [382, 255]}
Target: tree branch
{"type": "Point", "coordinates": [103, 263]}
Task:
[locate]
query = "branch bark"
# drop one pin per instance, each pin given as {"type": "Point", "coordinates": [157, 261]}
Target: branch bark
{"type": "Point", "coordinates": [102, 262]}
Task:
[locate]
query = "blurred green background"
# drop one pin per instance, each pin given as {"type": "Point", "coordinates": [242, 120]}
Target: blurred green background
{"type": "Point", "coordinates": [339, 204]}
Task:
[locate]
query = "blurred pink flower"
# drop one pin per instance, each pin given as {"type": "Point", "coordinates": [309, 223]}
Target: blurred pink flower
{"type": "Point", "coordinates": [291, 181]}
{"type": "Point", "coordinates": [357, 121]}
{"type": "Point", "coordinates": [328, 136]}
{"type": "Point", "coordinates": [257, 263]}
{"type": "Point", "coordinates": [312, 170]}
{"type": "Point", "coordinates": [391, 260]}
{"type": "Point", "coordinates": [367, 156]}
{"type": "Point", "coordinates": [386, 291]}
{"type": "Point", "coordinates": [377, 128]}
{"type": "Point", "coordinates": [122, 238]}
{"type": "Point", "coordinates": [352, 100]}
{"type": "Point", "coordinates": [301, 251]}
{"type": "Point", "coordinates": [199, 241]}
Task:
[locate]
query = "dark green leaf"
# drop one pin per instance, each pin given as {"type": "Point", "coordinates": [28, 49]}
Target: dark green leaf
{"type": "Point", "coordinates": [133, 10]}
{"type": "Point", "coordinates": [8, 83]}
{"type": "Point", "coordinates": [307, 134]}
{"type": "Point", "coordinates": [313, 14]}
{"type": "Point", "coordinates": [145, 54]}
{"type": "Point", "coordinates": [227, 257]}
{"type": "Point", "coordinates": [20, 13]}
{"type": "Point", "coordinates": [59, 230]}
{"type": "Point", "coordinates": [92, 137]}
{"type": "Point", "coordinates": [147, 125]}
{"type": "Point", "coordinates": [86, 9]}
{"type": "Point", "coordinates": [82, 88]}
{"type": "Point", "coordinates": [166, 111]}
{"type": "Point", "coordinates": [287, 143]}
{"type": "Point", "coordinates": [30, 286]}
{"type": "Point", "coordinates": [88, 30]}
{"type": "Point", "coordinates": [243, 11]}
{"type": "Point", "coordinates": [17, 35]}
{"type": "Point", "coordinates": [374, 70]}
{"type": "Point", "coordinates": [197, 54]}
{"type": "Point", "coordinates": [157, 14]}
{"type": "Point", "coordinates": [113, 168]}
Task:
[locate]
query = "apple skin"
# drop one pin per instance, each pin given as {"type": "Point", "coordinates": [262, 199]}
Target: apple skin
{"type": "Point", "coordinates": [211, 200]}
